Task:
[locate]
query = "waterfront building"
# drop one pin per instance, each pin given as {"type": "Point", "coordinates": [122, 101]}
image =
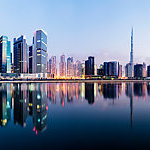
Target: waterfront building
{"type": "Point", "coordinates": [52, 66]}
{"type": "Point", "coordinates": [78, 69]}
{"type": "Point", "coordinates": [128, 70]}
{"type": "Point", "coordinates": [39, 61]}
{"type": "Point", "coordinates": [30, 58]}
{"type": "Point", "coordinates": [119, 70]}
{"type": "Point", "coordinates": [138, 70]}
{"type": "Point", "coordinates": [20, 55]}
{"type": "Point", "coordinates": [100, 70]}
{"type": "Point", "coordinates": [89, 66]}
{"type": "Point", "coordinates": [148, 71]}
{"type": "Point", "coordinates": [5, 55]}
{"type": "Point", "coordinates": [95, 69]}
{"type": "Point", "coordinates": [70, 67]}
{"type": "Point", "coordinates": [62, 66]}
{"type": "Point", "coordinates": [111, 68]}
{"type": "Point", "coordinates": [83, 70]}
{"type": "Point", "coordinates": [130, 66]}
{"type": "Point", "coordinates": [144, 70]}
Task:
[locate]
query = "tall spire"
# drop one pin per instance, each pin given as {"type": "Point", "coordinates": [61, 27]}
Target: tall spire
{"type": "Point", "coordinates": [131, 53]}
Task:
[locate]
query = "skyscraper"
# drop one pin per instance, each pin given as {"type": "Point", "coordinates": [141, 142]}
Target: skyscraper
{"type": "Point", "coordinates": [131, 53]}
{"type": "Point", "coordinates": [78, 69]}
{"type": "Point", "coordinates": [20, 55]}
{"type": "Point", "coordinates": [111, 68]}
{"type": "Point", "coordinates": [52, 66]}
{"type": "Point", "coordinates": [89, 66]}
{"type": "Point", "coordinates": [39, 61]}
{"type": "Point", "coordinates": [129, 68]}
{"type": "Point", "coordinates": [62, 66]}
{"type": "Point", "coordinates": [5, 55]}
{"type": "Point", "coordinates": [30, 58]}
{"type": "Point", "coordinates": [70, 65]}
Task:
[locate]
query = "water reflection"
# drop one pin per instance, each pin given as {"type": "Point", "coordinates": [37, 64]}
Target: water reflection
{"type": "Point", "coordinates": [32, 100]}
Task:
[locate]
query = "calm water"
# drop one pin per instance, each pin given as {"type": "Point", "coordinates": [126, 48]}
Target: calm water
{"type": "Point", "coordinates": [75, 115]}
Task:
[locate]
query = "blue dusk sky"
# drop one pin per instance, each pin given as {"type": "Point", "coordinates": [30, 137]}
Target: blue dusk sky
{"type": "Point", "coordinates": [79, 28]}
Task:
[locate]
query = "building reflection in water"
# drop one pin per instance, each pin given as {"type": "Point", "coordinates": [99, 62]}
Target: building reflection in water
{"type": "Point", "coordinates": [25, 99]}
{"type": "Point", "coordinates": [89, 92]}
{"type": "Point", "coordinates": [32, 99]}
{"type": "Point", "coordinates": [129, 93]}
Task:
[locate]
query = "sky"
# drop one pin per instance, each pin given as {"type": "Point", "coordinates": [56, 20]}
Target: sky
{"type": "Point", "coordinates": [82, 28]}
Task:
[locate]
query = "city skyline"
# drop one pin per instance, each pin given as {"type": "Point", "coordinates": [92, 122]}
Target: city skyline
{"type": "Point", "coordinates": [102, 29]}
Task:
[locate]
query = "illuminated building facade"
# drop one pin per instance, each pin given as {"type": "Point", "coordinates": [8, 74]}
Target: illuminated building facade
{"type": "Point", "coordinates": [89, 66]}
{"type": "Point", "coordinates": [70, 71]}
{"type": "Point", "coordinates": [5, 55]}
{"type": "Point", "coordinates": [30, 58]}
{"type": "Point", "coordinates": [78, 69]}
{"type": "Point", "coordinates": [62, 66]}
{"type": "Point", "coordinates": [111, 68]}
{"type": "Point", "coordinates": [20, 55]}
{"type": "Point", "coordinates": [39, 61]}
{"type": "Point", "coordinates": [52, 66]}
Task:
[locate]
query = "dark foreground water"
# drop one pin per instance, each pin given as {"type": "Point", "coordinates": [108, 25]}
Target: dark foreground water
{"type": "Point", "coordinates": [75, 116]}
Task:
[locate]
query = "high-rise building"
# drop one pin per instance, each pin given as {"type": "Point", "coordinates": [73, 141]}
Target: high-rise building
{"type": "Point", "coordinates": [30, 58]}
{"type": "Point", "coordinates": [62, 66]}
{"type": "Point", "coordinates": [20, 55]}
{"type": "Point", "coordinates": [83, 70]}
{"type": "Point", "coordinates": [138, 70]}
{"type": "Point", "coordinates": [111, 68]}
{"type": "Point", "coordinates": [52, 66]}
{"type": "Point", "coordinates": [39, 61]}
{"type": "Point", "coordinates": [70, 65]}
{"type": "Point", "coordinates": [144, 70]}
{"type": "Point", "coordinates": [148, 71]}
{"type": "Point", "coordinates": [78, 69]}
{"type": "Point", "coordinates": [130, 66]}
{"type": "Point", "coordinates": [128, 70]}
{"type": "Point", "coordinates": [5, 55]}
{"type": "Point", "coordinates": [100, 70]}
{"type": "Point", "coordinates": [119, 70]}
{"type": "Point", "coordinates": [89, 66]}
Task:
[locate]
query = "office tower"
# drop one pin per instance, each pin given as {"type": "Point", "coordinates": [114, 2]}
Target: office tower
{"type": "Point", "coordinates": [128, 68]}
{"type": "Point", "coordinates": [70, 65]}
{"type": "Point", "coordinates": [138, 70]}
{"type": "Point", "coordinates": [30, 58]}
{"type": "Point", "coordinates": [148, 71]}
{"type": "Point", "coordinates": [5, 55]}
{"type": "Point", "coordinates": [20, 55]}
{"type": "Point", "coordinates": [100, 70]}
{"type": "Point", "coordinates": [89, 66]}
{"type": "Point", "coordinates": [95, 69]}
{"type": "Point", "coordinates": [78, 69]}
{"type": "Point", "coordinates": [62, 66]}
{"type": "Point", "coordinates": [39, 61]}
{"type": "Point", "coordinates": [144, 70]}
{"type": "Point", "coordinates": [52, 66]}
{"type": "Point", "coordinates": [119, 70]}
{"type": "Point", "coordinates": [111, 68]}
{"type": "Point", "coordinates": [83, 70]}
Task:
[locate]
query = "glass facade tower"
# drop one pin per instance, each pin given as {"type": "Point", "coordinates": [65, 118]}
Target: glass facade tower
{"type": "Point", "coordinates": [5, 55]}
{"type": "Point", "coordinates": [39, 61]}
{"type": "Point", "coordinates": [20, 55]}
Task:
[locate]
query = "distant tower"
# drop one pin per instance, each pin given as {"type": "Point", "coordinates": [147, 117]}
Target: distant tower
{"type": "Point", "coordinates": [131, 54]}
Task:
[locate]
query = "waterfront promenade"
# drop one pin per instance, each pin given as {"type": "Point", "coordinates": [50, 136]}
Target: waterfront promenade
{"type": "Point", "coordinates": [70, 81]}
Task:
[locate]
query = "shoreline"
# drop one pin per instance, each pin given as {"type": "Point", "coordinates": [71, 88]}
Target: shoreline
{"type": "Point", "coordinates": [70, 81]}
